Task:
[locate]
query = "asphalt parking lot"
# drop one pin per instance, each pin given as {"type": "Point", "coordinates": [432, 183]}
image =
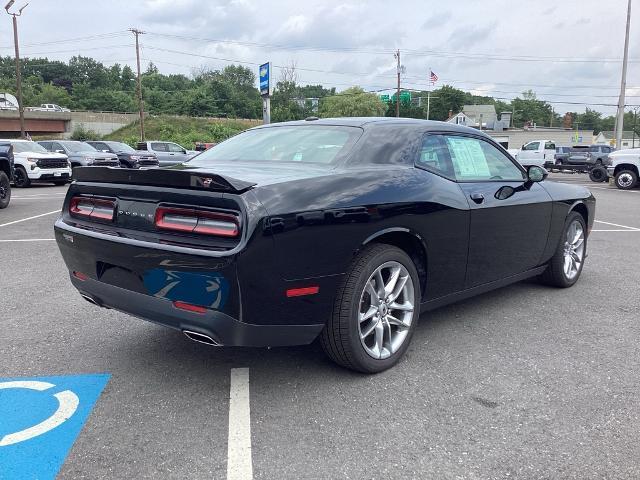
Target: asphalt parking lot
{"type": "Point", "coordinates": [523, 382]}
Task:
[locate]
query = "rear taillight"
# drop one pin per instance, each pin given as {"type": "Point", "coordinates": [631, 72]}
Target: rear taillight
{"type": "Point", "coordinates": [197, 221]}
{"type": "Point", "coordinates": [96, 208]}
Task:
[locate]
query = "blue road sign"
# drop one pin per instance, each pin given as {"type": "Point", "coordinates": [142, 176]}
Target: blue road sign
{"type": "Point", "coordinates": [40, 418]}
{"type": "Point", "coordinates": [265, 79]}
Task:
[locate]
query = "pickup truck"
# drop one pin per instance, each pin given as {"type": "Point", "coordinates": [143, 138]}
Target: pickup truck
{"type": "Point", "coordinates": [168, 153]}
{"type": "Point", "coordinates": [6, 173]}
{"type": "Point", "coordinates": [624, 167]}
{"type": "Point", "coordinates": [48, 107]}
{"type": "Point", "coordinates": [536, 152]}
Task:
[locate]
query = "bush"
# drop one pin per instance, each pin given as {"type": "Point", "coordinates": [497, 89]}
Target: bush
{"type": "Point", "coordinates": [81, 133]}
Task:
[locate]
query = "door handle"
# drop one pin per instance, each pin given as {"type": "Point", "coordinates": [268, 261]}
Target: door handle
{"type": "Point", "coordinates": [477, 197]}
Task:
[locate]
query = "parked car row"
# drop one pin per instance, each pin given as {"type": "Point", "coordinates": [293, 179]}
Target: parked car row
{"type": "Point", "coordinates": [52, 161]}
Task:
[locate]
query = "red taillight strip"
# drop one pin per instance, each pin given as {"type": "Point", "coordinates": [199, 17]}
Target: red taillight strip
{"type": "Point", "coordinates": [300, 292]}
{"type": "Point", "coordinates": [89, 207]}
{"type": "Point", "coordinates": [197, 221]}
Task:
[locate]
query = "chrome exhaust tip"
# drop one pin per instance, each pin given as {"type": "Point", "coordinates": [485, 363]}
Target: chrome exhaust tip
{"type": "Point", "coordinates": [200, 338]}
{"type": "Point", "coordinates": [89, 299]}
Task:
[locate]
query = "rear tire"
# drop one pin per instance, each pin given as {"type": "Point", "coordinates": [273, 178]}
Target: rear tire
{"type": "Point", "coordinates": [367, 331]}
{"type": "Point", "coordinates": [626, 179]}
{"type": "Point", "coordinates": [5, 190]}
{"type": "Point", "coordinates": [21, 179]}
{"type": "Point", "coordinates": [598, 174]}
{"type": "Point", "coordinates": [561, 270]}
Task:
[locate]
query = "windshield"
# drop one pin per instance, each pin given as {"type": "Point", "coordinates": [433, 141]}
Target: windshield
{"type": "Point", "coordinates": [121, 147]}
{"type": "Point", "coordinates": [76, 147]}
{"type": "Point", "coordinates": [318, 144]}
{"type": "Point", "coordinates": [21, 147]}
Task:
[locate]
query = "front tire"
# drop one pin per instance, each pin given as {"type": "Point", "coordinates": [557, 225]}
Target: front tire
{"type": "Point", "coordinates": [21, 179]}
{"type": "Point", "coordinates": [5, 190]}
{"type": "Point", "coordinates": [375, 312]}
{"type": "Point", "coordinates": [565, 267]}
{"type": "Point", "coordinates": [626, 179]}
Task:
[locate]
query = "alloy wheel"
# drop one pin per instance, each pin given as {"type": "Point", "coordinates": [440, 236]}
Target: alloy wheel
{"type": "Point", "coordinates": [386, 310]}
{"type": "Point", "coordinates": [573, 250]}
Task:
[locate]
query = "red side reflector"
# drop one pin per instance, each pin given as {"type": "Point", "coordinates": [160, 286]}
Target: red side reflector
{"type": "Point", "coordinates": [80, 276]}
{"type": "Point", "coordinates": [300, 292]}
{"type": "Point", "coordinates": [188, 307]}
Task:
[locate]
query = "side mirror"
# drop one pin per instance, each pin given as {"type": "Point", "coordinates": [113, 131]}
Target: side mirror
{"type": "Point", "coordinates": [184, 152]}
{"type": "Point", "coordinates": [59, 151]}
{"type": "Point", "coordinates": [105, 151]}
{"type": "Point", "coordinates": [536, 174]}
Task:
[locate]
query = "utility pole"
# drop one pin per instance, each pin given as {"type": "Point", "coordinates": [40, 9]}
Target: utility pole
{"type": "Point", "coordinates": [397, 56]}
{"type": "Point", "coordinates": [623, 82]}
{"type": "Point", "coordinates": [137, 32]}
{"type": "Point", "coordinates": [23, 133]}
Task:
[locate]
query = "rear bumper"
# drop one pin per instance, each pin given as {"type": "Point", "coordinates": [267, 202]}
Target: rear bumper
{"type": "Point", "coordinates": [241, 307]}
{"type": "Point", "coordinates": [226, 331]}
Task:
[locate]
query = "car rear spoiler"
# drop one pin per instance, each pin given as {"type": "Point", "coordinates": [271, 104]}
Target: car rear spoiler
{"type": "Point", "coordinates": [194, 180]}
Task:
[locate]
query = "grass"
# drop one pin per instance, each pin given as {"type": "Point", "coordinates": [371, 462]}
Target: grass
{"type": "Point", "coordinates": [185, 131]}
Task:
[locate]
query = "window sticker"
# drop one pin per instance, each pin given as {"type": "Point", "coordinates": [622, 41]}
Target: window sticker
{"type": "Point", "coordinates": [468, 158]}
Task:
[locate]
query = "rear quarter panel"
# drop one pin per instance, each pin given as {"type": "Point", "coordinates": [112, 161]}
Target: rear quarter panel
{"type": "Point", "coordinates": [320, 224]}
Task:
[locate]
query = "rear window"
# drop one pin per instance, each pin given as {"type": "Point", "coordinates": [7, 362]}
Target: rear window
{"type": "Point", "coordinates": [318, 144]}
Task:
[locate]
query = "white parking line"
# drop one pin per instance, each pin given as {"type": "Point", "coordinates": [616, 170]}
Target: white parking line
{"type": "Point", "coordinates": [618, 225]}
{"type": "Point", "coordinates": [34, 195]}
{"type": "Point", "coordinates": [239, 464]}
{"type": "Point", "coordinates": [616, 230]}
{"type": "Point", "coordinates": [28, 218]}
{"type": "Point", "coordinates": [32, 240]}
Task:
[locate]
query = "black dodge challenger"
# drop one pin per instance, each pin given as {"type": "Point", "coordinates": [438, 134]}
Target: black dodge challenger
{"type": "Point", "coordinates": [346, 229]}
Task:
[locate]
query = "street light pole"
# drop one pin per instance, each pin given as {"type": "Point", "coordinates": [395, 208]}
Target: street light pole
{"type": "Point", "coordinates": [23, 133]}
{"type": "Point", "coordinates": [623, 82]}
{"type": "Point", "coordinates": [137, 32]}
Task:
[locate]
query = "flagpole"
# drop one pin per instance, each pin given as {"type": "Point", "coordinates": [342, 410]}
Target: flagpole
{"type": "Point", "coordinates": [429, 94]}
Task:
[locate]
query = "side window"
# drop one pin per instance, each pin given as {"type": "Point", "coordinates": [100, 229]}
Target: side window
{"type": "Point", "coordinates": [100, 146]}
{"type": "Point", "coordinates": [46, 145]}
{"type": "Point", "coordinates": [159, 147]}
{"type": "Point", "coordinates": [531, 146]}
{"type": "Point", "coordinates": [477, 160]}
{"type": "Point", "coordinates": [55, 146]}
{"type": "Point", "coordinates": [434, 156]}
{"type": "Point", "coordinates": [549, 146]}
{"type": "Point", "coordinates": [175, 148]}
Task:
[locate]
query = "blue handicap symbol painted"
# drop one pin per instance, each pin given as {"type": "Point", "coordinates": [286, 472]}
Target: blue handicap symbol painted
{"type": "Point", "coordinates": [40, 418]}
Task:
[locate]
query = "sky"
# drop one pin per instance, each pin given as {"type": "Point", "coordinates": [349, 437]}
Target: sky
{"type": "Point", "coordinates": [569, 52]}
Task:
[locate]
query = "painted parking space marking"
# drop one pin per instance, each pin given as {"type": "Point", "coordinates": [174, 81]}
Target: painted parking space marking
{"type": "Point", "coordinates": [28, 218]}
{"type": "Point", "coordinates": [40, 419]}
{"type": "Point", "coordinates": [239, 463]}
{"type": "Point", "coordinates": [29, 240]}
{"type": "Point", "coordinates": [618, 225]}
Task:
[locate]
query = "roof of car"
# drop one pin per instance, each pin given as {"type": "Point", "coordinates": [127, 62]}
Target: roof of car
{"type": "Point", "coordinates": [377, 121]}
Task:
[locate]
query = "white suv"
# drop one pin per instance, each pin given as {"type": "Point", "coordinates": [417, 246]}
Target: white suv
{"type": "Point", "coordinates": [34, 164]}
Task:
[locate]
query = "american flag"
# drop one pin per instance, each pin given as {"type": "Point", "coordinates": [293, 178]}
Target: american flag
{"type": "Point", "coordinates": [433, 77]}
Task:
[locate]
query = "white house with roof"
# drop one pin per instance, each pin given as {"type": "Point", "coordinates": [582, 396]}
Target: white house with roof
{"type": "Point", "coordinates": [473, 115]}
{"type": "Point", "coordinates": [629, 140]}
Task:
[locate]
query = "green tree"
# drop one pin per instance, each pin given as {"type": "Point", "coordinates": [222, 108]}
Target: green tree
{"type": "Point", "coordinates": [352, 102]}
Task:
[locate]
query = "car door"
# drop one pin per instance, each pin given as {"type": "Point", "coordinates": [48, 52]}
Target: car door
{"type": "Point", "coordinates": [529, 151]}
{"type": "Point", "coordinates": [507, 233]}
{"type": "Point", "coordinates": [161, 149]}
{"type": "Point", "coordinates": [177, 153]}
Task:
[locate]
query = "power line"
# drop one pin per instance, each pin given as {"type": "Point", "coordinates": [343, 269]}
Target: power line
{"type": "Point", "coordinates": [410, 52]}
{"type": "Point", "coordinates": [75, 39]}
